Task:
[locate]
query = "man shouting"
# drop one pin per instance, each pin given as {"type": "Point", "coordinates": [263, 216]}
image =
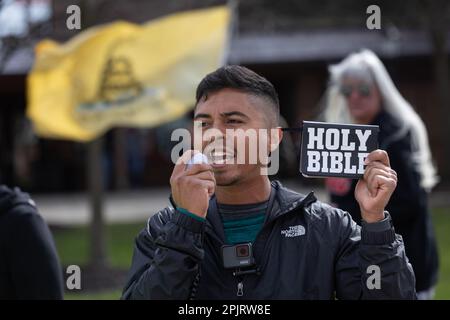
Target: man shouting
{"type": "Point", "coordinates": [231, 233]}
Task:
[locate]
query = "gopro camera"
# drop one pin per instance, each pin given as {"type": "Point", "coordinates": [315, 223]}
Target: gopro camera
{"type": "Point", "coordinates": [238, 256]}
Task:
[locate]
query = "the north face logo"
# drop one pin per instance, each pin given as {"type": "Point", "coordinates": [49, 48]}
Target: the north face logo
{"type": "Point", "coordinates": [293, 231]}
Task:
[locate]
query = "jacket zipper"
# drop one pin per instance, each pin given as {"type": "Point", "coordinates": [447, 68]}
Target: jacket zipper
{"type": "Point", "coordinates": [240, 285]}
{"type": "Point", "coordinates": [240, 288]}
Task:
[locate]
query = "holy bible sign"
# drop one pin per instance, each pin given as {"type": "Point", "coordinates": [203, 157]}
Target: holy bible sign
{"type": "Point", "coordinates": [336, 150]}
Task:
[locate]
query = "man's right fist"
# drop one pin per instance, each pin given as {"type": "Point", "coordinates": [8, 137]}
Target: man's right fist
{"type": "Point", "coordinates": [192, 187]}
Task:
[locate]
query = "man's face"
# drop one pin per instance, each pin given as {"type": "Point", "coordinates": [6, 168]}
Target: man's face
{"type": "Point", "coordinates": [363, 99]}
{"type": "Point", "coordinates": [232, 109]}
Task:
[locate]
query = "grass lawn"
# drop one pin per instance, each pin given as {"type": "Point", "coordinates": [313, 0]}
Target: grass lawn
{"type": "Point", "coordinates": [441, 221]}
{"type": "Point", "coordinates": [72, 246]}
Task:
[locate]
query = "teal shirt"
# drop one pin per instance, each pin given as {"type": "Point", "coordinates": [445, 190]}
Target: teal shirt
{"type": "Point", "coordinates": [242, 223]}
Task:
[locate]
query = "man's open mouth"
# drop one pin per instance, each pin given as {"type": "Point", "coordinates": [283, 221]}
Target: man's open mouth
{"type": "Point", "coordinates": [221, 157]}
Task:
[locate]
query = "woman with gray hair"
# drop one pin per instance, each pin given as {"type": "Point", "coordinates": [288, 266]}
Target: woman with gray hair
{"type": "Point", "coordinates": [361, 91]}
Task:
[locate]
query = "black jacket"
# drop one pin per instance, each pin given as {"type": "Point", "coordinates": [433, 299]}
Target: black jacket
{"type": "Point", "coordinates": [178, 257]}
{"type": "Point", "coordinates": [408, 205]}
{"type": "Point", "coordinates": [29, 266]}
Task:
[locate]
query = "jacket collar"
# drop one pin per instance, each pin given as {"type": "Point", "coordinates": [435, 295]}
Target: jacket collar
{"type": "Point", "coordinates": [288, 200]}
{"type": "Point", "coordinates": [282, 200]}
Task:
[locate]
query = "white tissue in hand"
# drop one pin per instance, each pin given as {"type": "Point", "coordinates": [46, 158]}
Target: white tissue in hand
{"type": "Point", "coordinates": [198, 158]}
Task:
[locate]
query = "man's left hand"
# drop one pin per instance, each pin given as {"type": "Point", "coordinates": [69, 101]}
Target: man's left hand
{"type": "Point", "coordinates": [374, 190]}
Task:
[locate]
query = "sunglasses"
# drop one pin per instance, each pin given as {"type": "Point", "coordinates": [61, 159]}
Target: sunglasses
{"type": "Point", "coordinates": [362, 89]}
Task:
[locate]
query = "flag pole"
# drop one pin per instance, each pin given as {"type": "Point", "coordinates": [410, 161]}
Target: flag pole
{"type": "Point", "coordinates": [98, 253]}
{"type": "Point", "coordinates": [232, 30]}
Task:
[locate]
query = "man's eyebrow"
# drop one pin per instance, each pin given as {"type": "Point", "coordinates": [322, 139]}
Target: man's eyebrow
{"type": "Point", "coordinates": [234, 113]}
{"type": "Point", "coordinates": [202, 115]}
{"type": "Point", "coordinates": [223, 114]}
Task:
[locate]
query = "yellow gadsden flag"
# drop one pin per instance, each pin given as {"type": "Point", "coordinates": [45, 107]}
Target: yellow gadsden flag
{"type": "Point", "coordinates": [123, 74]}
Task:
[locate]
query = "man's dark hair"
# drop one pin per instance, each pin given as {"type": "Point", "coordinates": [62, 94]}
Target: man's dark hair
{"type": "Point", "coordinates": [240, 78]}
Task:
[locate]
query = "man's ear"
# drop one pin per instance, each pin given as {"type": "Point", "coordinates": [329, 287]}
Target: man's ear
{"type": "Point", "coordinates": [276, 135]}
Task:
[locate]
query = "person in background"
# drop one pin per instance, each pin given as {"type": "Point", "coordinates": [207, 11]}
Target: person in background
{"type": "Point", "coordinates": [29, 264]}
{"type": "Point", "coordinates": [362, 92]}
